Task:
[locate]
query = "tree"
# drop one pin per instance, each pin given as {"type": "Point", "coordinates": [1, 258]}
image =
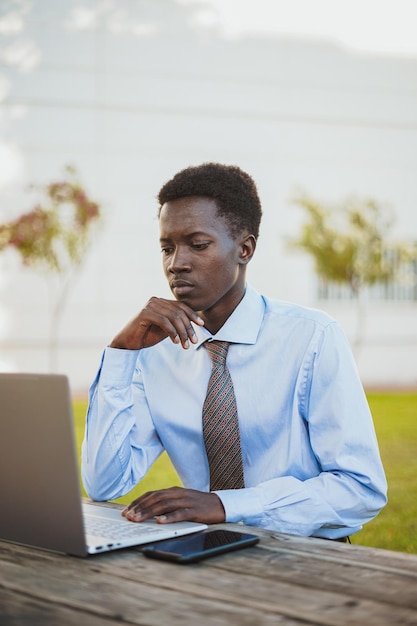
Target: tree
{"type": "Point", "coordinates": [54, 237]}
{"type": "Point", "coordinates": [349, 244]}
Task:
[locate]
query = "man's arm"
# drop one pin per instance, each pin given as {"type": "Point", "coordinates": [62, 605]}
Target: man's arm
{"type": "Point", "coordinates": [112, 458]}
{"type": "Point", "coordinates": [350, 487]}
{"type": "Point", "coordinates": [113, 451]}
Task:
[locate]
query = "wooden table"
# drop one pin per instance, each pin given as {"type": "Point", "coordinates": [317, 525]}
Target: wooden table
{"type": "Point", "coordinates": [283, 580]}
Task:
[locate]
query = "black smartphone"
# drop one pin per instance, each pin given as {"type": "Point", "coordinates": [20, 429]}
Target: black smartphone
{"type": "Point", "coordinates": [199, 546]}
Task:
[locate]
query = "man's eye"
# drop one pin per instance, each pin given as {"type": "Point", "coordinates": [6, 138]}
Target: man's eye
{"type": "Point", "coordinates": [166, 250]}
{"type": "Point", "coordinates": [200, 246]}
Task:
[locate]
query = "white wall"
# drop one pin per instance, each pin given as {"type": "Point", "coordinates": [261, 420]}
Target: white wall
{"type": "Point", "coordinates": [140, 95]}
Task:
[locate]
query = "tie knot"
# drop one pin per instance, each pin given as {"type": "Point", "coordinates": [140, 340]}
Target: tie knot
{"type": "Point", "coordinates": [217, 351]}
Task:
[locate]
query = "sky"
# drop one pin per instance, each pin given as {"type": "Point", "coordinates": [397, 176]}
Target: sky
{"type": "Point", "coordinates": [387, 27]}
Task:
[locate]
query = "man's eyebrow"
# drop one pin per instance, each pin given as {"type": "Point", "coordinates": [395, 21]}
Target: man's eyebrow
{"type": "Point", "coordinates": [197, 233]}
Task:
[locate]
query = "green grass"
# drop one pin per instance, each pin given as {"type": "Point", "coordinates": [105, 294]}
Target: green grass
{"type": "Point", "coordinates": [395, 418]}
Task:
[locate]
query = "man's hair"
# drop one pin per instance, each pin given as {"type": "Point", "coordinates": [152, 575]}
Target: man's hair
{"type": "Point", "coordinates": [233, 190]}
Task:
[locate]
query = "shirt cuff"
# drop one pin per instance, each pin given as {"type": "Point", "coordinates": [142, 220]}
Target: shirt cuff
{"type": "Point", "coordinates": [118, 367]}
{"type": "Point", "coordinates": [242, 505]}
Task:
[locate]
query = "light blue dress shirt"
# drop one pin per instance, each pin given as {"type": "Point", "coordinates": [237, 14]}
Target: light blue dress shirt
{"type": "Point", "coordinates": [310, 455]}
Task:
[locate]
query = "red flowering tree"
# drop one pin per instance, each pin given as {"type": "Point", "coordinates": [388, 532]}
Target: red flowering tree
{"type": "Point", "coordinates": [54, 237]}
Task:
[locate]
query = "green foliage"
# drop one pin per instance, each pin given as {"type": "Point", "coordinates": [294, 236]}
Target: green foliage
{"type": "Point", "coordinates": [395, 418]}
{"type": "Point", "coordinates": [54, 234]}
{"type": "Point", "coordinates": [348, 242]}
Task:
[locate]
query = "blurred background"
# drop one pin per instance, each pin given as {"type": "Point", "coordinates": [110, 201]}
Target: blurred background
{"type": "Point", "coordinates": [316, 98]}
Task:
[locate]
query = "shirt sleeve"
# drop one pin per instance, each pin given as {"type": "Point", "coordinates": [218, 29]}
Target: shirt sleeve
{"type": "Point", "coordinates": [120, 442]}
{"type": "Point", "coordinates": [351, 487]}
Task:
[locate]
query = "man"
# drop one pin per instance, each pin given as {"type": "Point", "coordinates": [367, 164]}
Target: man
{"type": "Point", "coordinates": [304, 447]}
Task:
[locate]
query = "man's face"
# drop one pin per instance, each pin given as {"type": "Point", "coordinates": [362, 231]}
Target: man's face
{"type": "Point", "coordinates": [201, 259]}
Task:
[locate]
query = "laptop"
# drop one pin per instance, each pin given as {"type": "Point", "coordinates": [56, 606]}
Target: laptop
{"type": "Point", "coordinates": [40, 495]}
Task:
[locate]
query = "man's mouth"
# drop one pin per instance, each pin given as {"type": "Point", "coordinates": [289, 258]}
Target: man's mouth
{"type": "Point", "coordinates": [181, 287]}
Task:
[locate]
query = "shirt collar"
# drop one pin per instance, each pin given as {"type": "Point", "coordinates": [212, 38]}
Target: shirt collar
{"type": "Point", "coordinates": [242, 326]}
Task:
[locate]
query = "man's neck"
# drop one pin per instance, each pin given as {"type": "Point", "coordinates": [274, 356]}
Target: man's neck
{"type": "Point", "coordinates": [217, 316]}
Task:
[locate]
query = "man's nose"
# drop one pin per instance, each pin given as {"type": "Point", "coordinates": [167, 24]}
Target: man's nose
{"type": "Point", "coordinates": [179, 261]}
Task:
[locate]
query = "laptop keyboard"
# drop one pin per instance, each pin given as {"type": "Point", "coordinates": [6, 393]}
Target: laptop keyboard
{"type": "Point", "coordinates": [117, 530]}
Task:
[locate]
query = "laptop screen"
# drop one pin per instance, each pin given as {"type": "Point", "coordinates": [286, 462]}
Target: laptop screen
{"type": "Point", "coordinates": [39, 482]}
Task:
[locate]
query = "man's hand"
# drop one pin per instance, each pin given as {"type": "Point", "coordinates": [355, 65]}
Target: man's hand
{"type": "Point", "coordinates": [159, 319]}
{"type": "Point", "coordinates": [176, 505]}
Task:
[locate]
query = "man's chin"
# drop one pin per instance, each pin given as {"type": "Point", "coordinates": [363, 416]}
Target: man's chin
{"type": "Point", "coordinates": [193, 303]}
{"type": "Point", "coordinates": [184, 298]}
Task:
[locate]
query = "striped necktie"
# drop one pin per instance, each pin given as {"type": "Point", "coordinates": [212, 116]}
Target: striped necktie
{"type": "Point", "coordinates": [220, 423]}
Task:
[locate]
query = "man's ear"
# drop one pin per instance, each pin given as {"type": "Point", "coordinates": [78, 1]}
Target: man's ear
{"type": "Point", "coordinates": [247, 248]}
